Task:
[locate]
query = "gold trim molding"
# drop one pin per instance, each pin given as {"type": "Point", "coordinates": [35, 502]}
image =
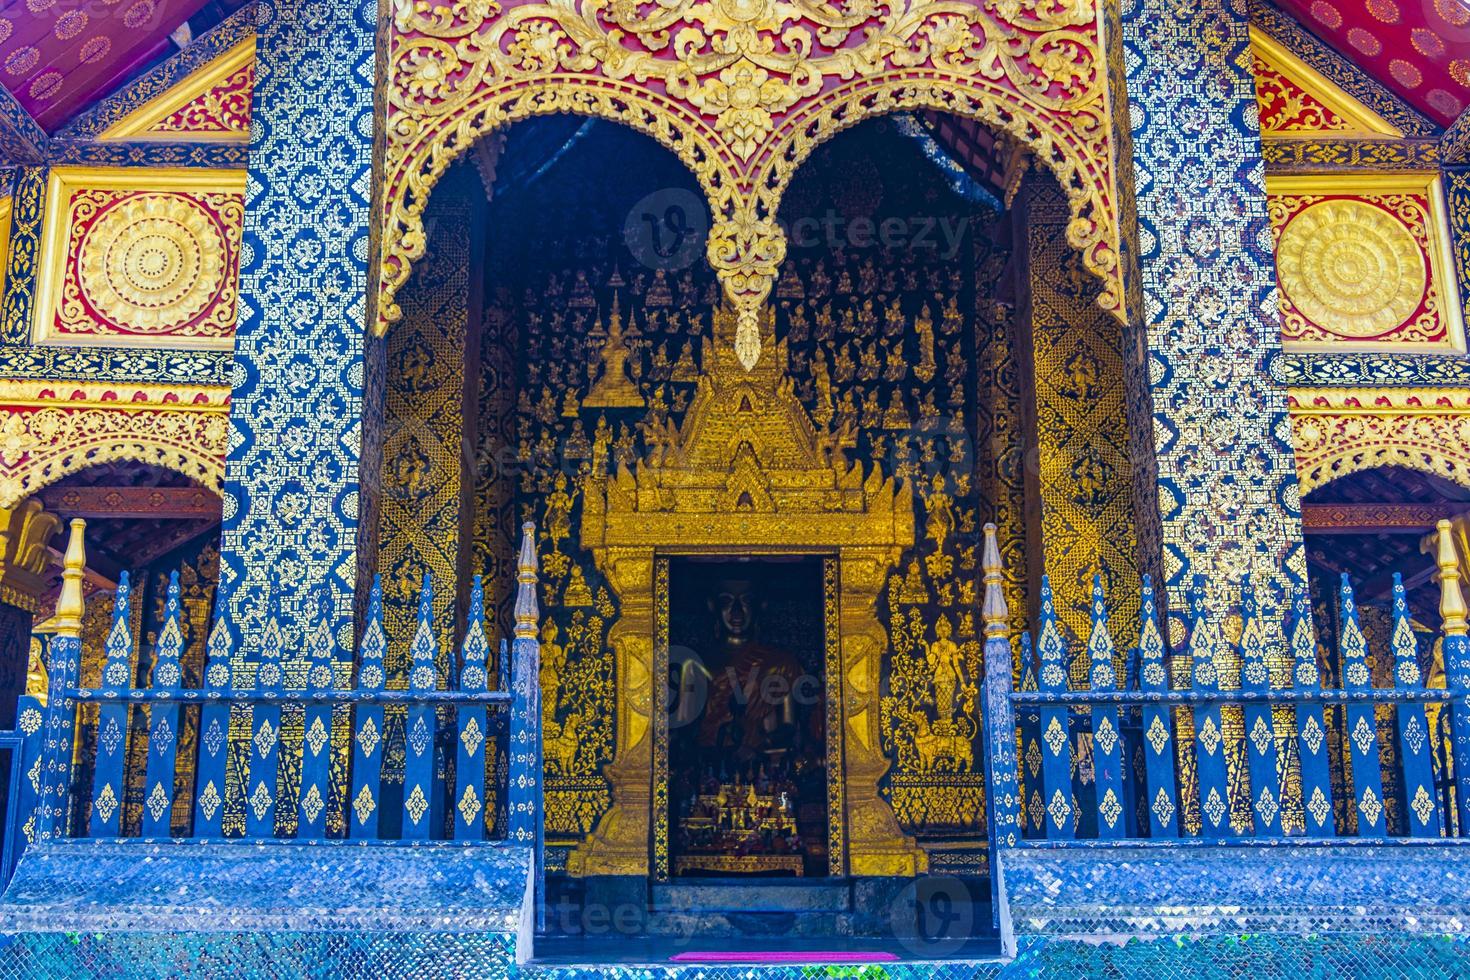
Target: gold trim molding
{"type": "Point", "coordinates": [1363, 121]}
{"type": "Point", "coordinates": [742, 91]}
{"type": "Point", "coordinates": [49, 430]}
{"type": "Point", "coordinates": [139, 125]}
{"type": "Point", "coordinates": [1339, 431]}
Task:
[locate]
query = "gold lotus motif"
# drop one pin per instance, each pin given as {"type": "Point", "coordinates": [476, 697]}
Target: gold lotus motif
{"type": "Point", "coordinates": [1352, 267]}
{"type": "Point", "coordinates": [152, 263]}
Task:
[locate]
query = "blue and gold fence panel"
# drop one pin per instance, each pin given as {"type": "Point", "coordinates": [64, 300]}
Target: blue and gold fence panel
{"type": "Point", "coordinates": [1107, 748]}
{"type": "Point", "coordinates": [473, 723]}
{"type": "Point", "coordinates": [523, 791]}
{"type": "Point", "coordinates": [25, 744]}
{"type": "Point", "coordinates": [1260, 729]}
{"type": "Point", "coordinates": [246, 765]}
{"type": "Point", "coordinates": [1209, 730]}
{"type": "Point", "coordinates": [419, 727]}
{"type": "Point", "coordinates": [214, 732]}
{"type": "Point", "coordinates": [1362, 727]}
{"type": "Point", "coordinates": [163, 719]}
{"type": "Point", "coordinates": [1413, 724]}
{"type": "Point", "coordinates": [1056, 736]}
{"type": "Point", "coordinates": [1033, 810]}
{"type": "Point", "coordinates": [1170, 717]}
{"type": "Point", "coordinates": [367, 733]}
{"type": "Point", "coordinates": [1158, 722]}
{"type": "Point", "coordinates": [265, 737]}
{"type": "Point", "coordinates": [1002, 771]}
{"type": "Point", "coordinates": [316, 738]}
{"type": "Point", "coordinates": [1311, 724]}
{"type": "Point", "coordinates": [1456, 647]}
{"type": "Point", "coordinates": [112, 719]}
{"type": "Point", "coordinates": [53, 808]}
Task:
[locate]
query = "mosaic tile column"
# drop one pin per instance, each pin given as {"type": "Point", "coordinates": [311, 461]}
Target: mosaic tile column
{"type": "Point", "coordinates": [1457, 190]}
{"type": "Point", "coordinates": [291, 494]}
{"type": "Point", "coordinates": [1227, 491]}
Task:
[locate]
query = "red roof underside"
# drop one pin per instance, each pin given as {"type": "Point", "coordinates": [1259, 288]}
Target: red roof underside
{"type": "Point", "coordinates": [1418, 48]}
{"type": "Point", "coordinates": [57, 57]}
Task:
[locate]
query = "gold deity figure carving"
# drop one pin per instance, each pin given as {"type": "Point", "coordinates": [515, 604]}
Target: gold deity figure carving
{"type": "Point", "coordinates": [926, 367]}
{"type": "Point", "coordinates": [947, 672]}
{"type": "Point", "coordinates": [824, 410]}
{"type": "Point", "coordinates": [559, 513]}
{"type": "Point", "coordinates": [614, 387]}
{"type": "Point", "coordinates": [553, 659]}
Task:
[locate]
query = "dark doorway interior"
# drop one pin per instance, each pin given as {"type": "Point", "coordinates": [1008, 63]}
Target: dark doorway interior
{"type": "Point", "coordinates": [747, 745]}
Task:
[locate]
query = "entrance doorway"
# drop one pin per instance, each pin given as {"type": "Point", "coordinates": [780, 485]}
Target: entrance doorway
{"type": "Point", "coordinates": [746, 751]}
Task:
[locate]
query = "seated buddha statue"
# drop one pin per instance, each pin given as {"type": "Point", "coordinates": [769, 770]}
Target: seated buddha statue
{"type": "Point", "coordinates": [750, 687]}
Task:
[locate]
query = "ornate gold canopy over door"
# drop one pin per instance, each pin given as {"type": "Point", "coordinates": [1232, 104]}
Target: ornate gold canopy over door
{"type": "Point", "coordinates": [748, 473]}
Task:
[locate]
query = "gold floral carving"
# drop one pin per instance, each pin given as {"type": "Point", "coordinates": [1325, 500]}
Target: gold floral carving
{"type": "Point", "coordinates": [211, 104]}
{"type": "Point", "coordinates": [49, 430]}
{"type": "Point", "coordinates": [1364, 260]}
{"type": "Point", "coordinates": [1338, 431]}
{"type": "Point", "coordinates": [1296, 100]}
{"type": "Point", "coordinates": [154, 262]}
{"type": "Point", "coordinates": [1352, 264]}
{"type": "Point", "coordinates": [140, 257]}
{"type": "Point", "coordinates": [747, 471]}
{"type": "Point", "coordinates": [742, 91]}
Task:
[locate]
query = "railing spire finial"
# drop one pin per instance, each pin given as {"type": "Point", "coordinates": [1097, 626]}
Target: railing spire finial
{"type": "Point", "coordinates": [70, 606]}
{"type": "Point", "coordinates": [526, 611]}
{"type": "Point", "coordinates": [1451, 599]}
{"type": "Point", "coordinates": [993, 611]}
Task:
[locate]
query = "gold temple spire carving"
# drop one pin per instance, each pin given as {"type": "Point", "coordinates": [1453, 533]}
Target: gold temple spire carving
{"type": "Point", "coordinates": [614, 387]}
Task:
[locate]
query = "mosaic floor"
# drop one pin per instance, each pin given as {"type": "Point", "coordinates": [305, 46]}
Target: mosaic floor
{"type": "Point", "coordinates": [387, 956]}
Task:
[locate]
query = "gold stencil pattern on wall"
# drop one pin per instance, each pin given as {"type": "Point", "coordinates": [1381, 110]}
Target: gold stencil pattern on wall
{"type": "Point", "coordinates": [423, 442]}
{"type": "Point", "coordinates": [1083, 475]}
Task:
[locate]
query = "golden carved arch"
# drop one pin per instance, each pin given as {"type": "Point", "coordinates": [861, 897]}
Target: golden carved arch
{"type": "Point", "coordinates": [1340, 431]}
{"type": "Point", "coordinates": [742, 91]}
{"type": "Point", "coordinates": [51, 430]}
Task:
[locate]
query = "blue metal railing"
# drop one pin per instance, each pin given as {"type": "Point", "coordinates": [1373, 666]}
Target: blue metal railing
{"type": "Point", "coordinates": [245, 767]}
{"type": "Point", "coordinates": [1265, 767]}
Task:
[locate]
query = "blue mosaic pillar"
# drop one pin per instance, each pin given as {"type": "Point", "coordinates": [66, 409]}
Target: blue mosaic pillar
{"type": "Point", "coordinates": [291, 494]}
{"type": "Point", "coordinates": [1206, 301]}
{"type": "Point", "coordinates": [1457, 190]}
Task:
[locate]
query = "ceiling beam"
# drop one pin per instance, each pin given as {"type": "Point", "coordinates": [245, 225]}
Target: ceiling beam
{"type": "Point", "coordinates": [1384, 518]}
{"type": "Point", "coordinates": [22, 140]}
{"type": "Point", "coordinates": [156, 503]}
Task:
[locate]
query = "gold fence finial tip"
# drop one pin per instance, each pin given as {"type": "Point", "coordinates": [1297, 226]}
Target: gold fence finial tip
{"type": "Point", "coordinates": [526, 612]}
{"type": "Point", "coordinates": [69, 607]}
{"type": "Point", "coordinates": [1451, 598]}
{"type": "Point", "coordinates": [527, 560]}
{"type": "Point", "coordinates": [993, 611]}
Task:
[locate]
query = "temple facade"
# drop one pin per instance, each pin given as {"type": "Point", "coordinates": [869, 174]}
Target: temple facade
{"type": "Point", "coordinates": [733, 487]}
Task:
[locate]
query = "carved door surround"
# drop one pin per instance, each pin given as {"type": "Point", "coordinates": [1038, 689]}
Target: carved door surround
{"type": "Point", "coordinates": [747, 473]}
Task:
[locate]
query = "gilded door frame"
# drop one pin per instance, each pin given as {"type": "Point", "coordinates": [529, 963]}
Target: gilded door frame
{"type": "Point", "coordinates": [832, 699]}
